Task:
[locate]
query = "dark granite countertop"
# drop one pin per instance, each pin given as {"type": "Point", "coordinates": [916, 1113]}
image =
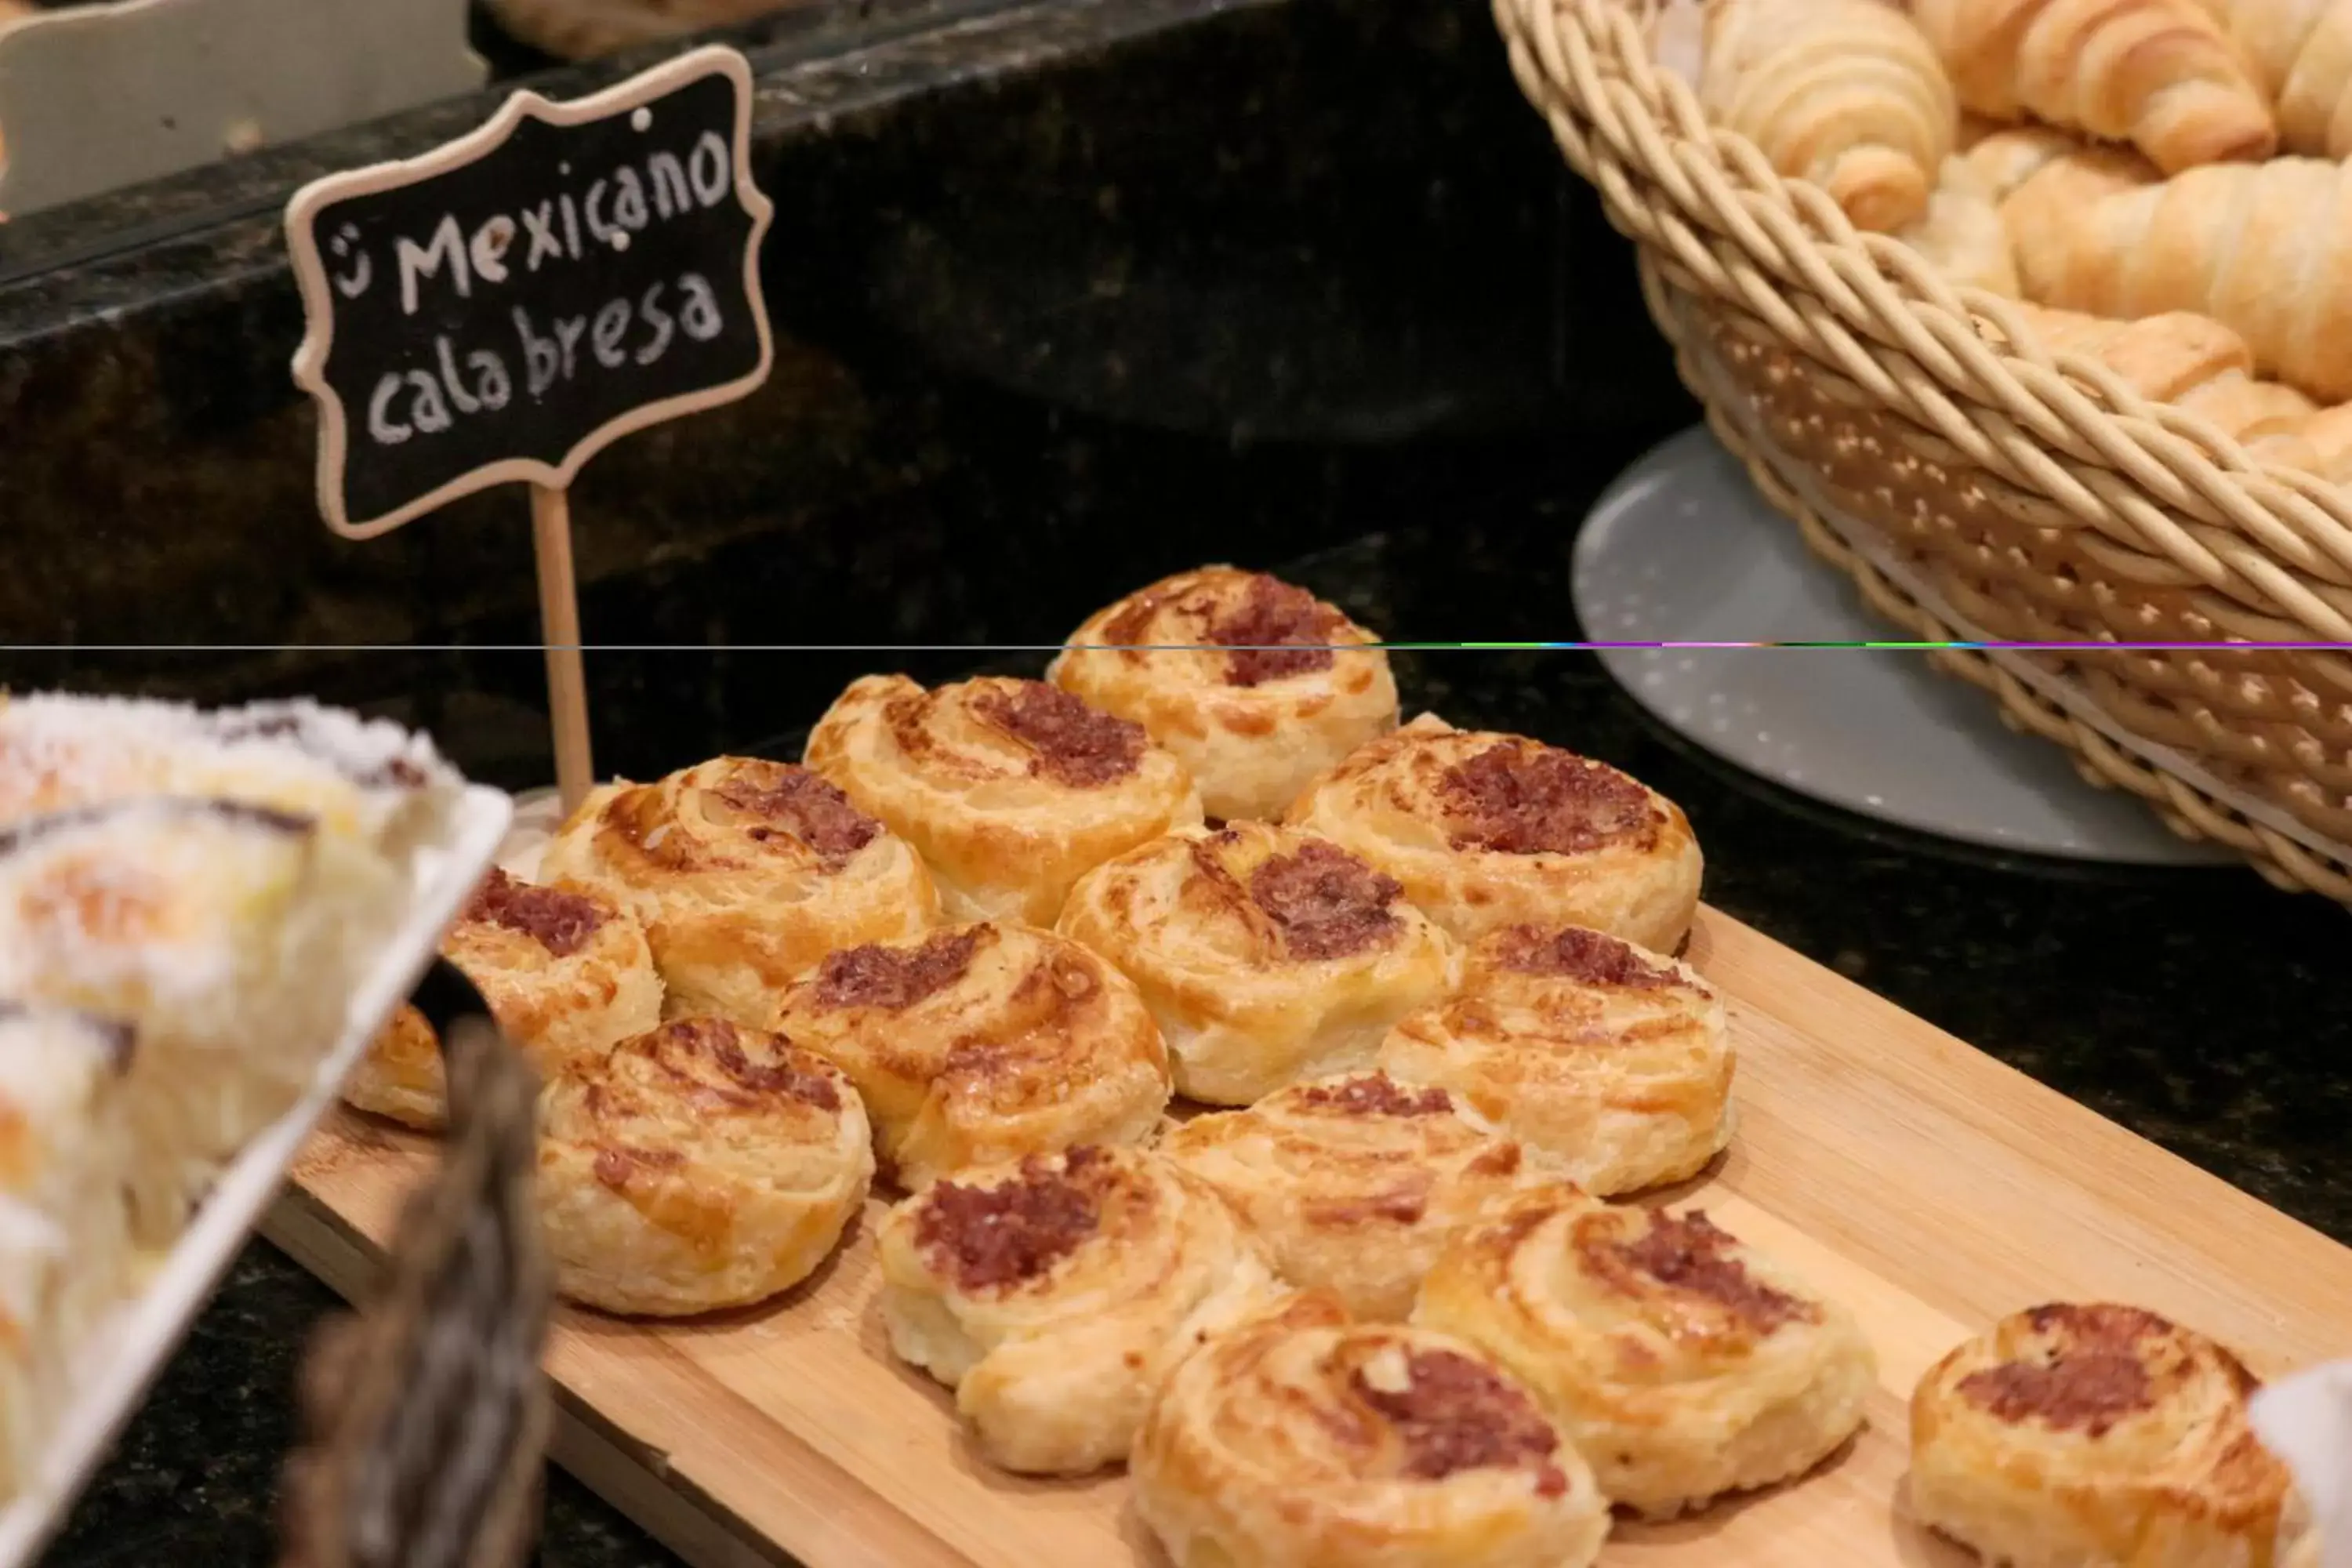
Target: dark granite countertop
{"type": "Point", "coordinates": [2199, 1008]}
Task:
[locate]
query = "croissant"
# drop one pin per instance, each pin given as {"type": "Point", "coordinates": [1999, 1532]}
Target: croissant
{"type": "Point", "coordinates": [2328, 433]}
{"type": "Point", "coordinates": [2201, 367]}
{"type": "Point", "coordinates": [2300, 55]}
{"type": "Point", "coordinates": [2059, 168]}
{"type": "Point", "coordinates": [2265, 248]}
{"type": "Point", "coordinates": [1962, 235]}
{"type": "Point", "coordinates": [2157, 73]}
{"type": "Point", "coordinates": [1845, 93]}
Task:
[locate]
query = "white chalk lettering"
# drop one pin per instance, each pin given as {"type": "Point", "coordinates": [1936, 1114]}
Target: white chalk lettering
{"type": "Point", "coordinates": [599, 226]}
{"type": "Point", "coordinates": [432, 414]}
{"type": "Point", "coordinates": [563, 351]}
{"type": "Point", "coordinates": [668, 176]}
{"type": "Point", "coordinates": [699, 314]}
{"type": "Point", "coordinates": [446, 248]}
{"type": "Point", "coordinates": [489, 248]}
{"type": "Point", "coordinates": [712, 189]}
{"type": "Point", "coordinates": [570, 224]}
{"type": "Point", "coordinates": [466, 401]}
{"type": "Point", "coordinates": [659, 320]}
{"type": "Point", "coordinates": [541, 362]}
{"type": "Point", "coordinates": [380, 426]}
{"type": "Point", "coordinates": [541, 223]}
{"type": "Point", "coordinates": [492, 389]}
{"type": "Point", "coordinates": [345, 246]}
{"type": "Point", "coordinates": [567, 332]}
{"type": "Point", "coordinates": [612, 326]}
{"type": "Point", "coordinates": [629, 200]}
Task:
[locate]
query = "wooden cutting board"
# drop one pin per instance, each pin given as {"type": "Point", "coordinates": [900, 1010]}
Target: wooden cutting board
{"type": "Point", "coordinates": [1921, 1182]}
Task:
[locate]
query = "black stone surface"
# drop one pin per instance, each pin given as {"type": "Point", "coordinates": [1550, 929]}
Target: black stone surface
{"type": "Point", "coordinates": [2199, 1008]}
{"type": "Point", "coordinates": [1098, 235]}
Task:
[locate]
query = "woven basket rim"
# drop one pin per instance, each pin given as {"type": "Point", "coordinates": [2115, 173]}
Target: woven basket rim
{"type": "Point", "coordinates": [1868, 309]}
{"type": "Point", "coordinates": [1876, 555]}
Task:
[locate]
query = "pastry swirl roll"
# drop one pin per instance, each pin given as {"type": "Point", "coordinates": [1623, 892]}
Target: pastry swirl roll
{"type": "Point", "coordinates": [2094, 1433]}
{"type": "Point", "coordinates": [1356, 1183]}
{"type": "Point", "coordinates": [1608, 1057]}
{"type": "Point", "coordinates": [744, 873]}
{"type": "Point", "coordinates": [1011, 790]}
{"type": "Point", "coordinates": [1055, 1293]}
{"type": "Point", "coordinates": [1247, 679]}
{"type": "Point", "coordinates": [227, 936]}
{"type": "Point", "coordinates": [1300, 1440]}
{"type": "Point", "coordinates": [983, 1042]}
{"type": "Point", "coordinates": [1488, 830]}
{"type": "Point", "coordinates": [700, 1165]}
{"type": "Point", "coordinates": [1682, 1363]}
{"type": "Point", "coordinates": [1267, 955]}
{"type": "Point", "coordinates": [364, 779]}
{"type": "Point", "coordinates": [66, 1251]}
{"type": "Point", "coordinates": [566, 972]}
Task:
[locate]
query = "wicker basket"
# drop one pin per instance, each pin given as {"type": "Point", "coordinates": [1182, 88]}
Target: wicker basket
{"type": "Point", "coordinates": [1978, 488]}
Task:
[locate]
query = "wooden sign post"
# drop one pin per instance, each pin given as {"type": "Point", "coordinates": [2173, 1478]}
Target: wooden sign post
{"type": "Point", "coordinates": [502, 308]}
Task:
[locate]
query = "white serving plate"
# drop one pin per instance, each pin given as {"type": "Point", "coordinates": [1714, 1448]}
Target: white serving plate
{"type": "Point", "coordinates": [114, 1370]}
{"type": "Point", "coordinates": [1683, 549]}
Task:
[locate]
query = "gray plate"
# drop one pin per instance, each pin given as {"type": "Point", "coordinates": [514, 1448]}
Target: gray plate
{"type": "Point", "coordinates": [1682, 548]}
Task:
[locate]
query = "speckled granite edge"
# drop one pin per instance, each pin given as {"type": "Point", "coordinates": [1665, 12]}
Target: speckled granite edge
{"type": "Point", "coordinates": [217, 228]}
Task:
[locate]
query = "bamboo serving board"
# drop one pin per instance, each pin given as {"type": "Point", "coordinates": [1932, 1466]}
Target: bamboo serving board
{"type": "Point", "coordinates": [1924, 1183]}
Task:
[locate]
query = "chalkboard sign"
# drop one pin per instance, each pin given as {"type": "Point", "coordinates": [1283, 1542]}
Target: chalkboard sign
{"type": "Point", "coordinates": [500, 308]}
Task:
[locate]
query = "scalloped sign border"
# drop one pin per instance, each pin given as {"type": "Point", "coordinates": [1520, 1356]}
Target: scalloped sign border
{"type": "Point", "coordinates": [319, 301]}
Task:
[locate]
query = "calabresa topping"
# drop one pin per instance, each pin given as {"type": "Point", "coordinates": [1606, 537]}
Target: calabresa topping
{"type": "Point", "coordinates": [1327, 902]}
{"type": "Point", "coordinates": [989, 1237]}
{"type": "Point", "coordinates": [809, 807]}
{"type": "Point", "coordinates": [561, 922]}
{"type": "Point", "coordinates": [1451, 1414]}
{"type": "Point", "coordinates": [1517, 797]}
{"type": "Point", "coordinates": [1074, 745]}
{"type": "Point", "coordinates": [894, 977]}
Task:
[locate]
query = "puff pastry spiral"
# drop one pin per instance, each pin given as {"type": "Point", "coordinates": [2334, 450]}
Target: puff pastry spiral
{"type": "Point", "coordinates": [1298, 1440]}
{"type": "Point", "coordinates": [1010, 789]}
{"type": "Point", "coordinates": [1054, 1295]}
{"type": "Point", "coordinates": [700, 1165]}
{"type": "Point", "coordinates": [1268, 955]}
{"type": "Point", "coordinates": [2094, 1433]}
{"type": "Point", "coordinates": [1246, 679]}
{"type": "Point", "coordinates": [567, 973]}
{"type": "Point", "coordinates": [1488, 830]}
{"type": "Point", "coordinates": [1682, 1363]}
{"type": "Point", "coordinates": [1356, 1183]}
{"type": "Point", "coordinates": [983, 1043]}
{"type": "Point", "coordinates": [1610, 1059]}
{"type": "Point", "coordinates": [744, 873]}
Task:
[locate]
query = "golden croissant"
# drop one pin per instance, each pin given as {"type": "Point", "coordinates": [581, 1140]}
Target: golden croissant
{"type": "Point", "coordinates": [1845, 93]}
{"type": "Point", "coordinates": [2201, 367]}
{"type": "Point", "coordinates": [2265, 248]}
{"type": "Point", "coordinates": [2300, 52]}
{"type": "Point", "coordinates": [2060, 168]}
{"type": "Point", "coordinates": [2157, 73]}
{"type": "Point", "coordinates": [1962, 235]}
